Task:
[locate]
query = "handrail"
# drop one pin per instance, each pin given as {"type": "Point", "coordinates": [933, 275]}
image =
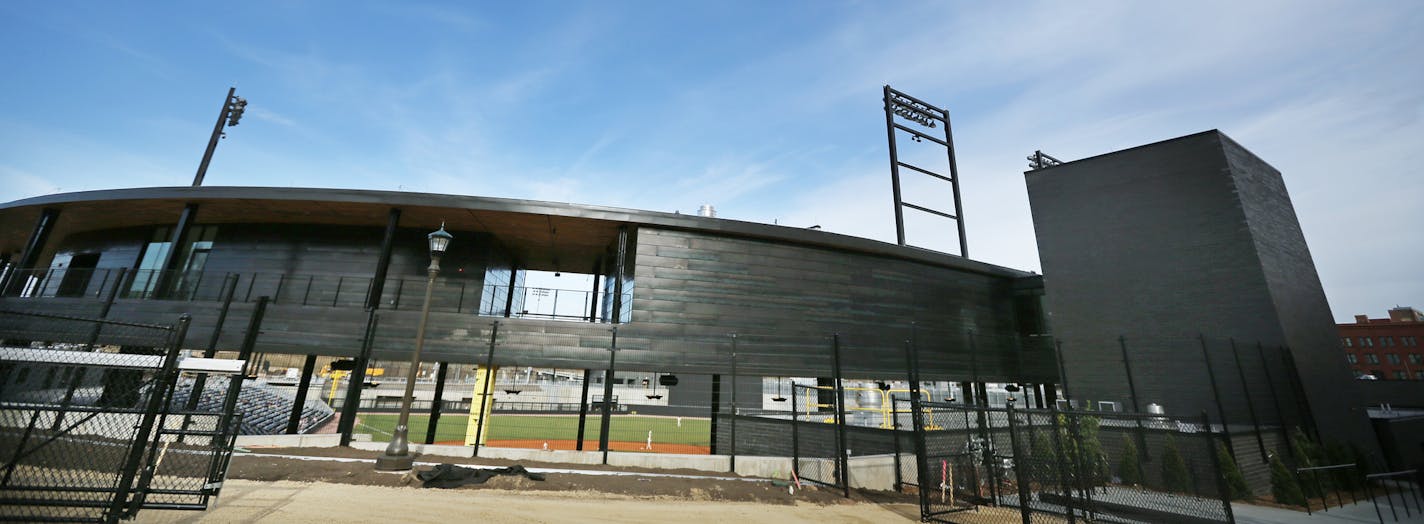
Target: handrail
{"type": "Point", "coordinates": [449, 295]}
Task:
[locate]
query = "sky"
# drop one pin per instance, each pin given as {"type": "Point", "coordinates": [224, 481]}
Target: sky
{"type": "Point", "coordinates": [770, 111]}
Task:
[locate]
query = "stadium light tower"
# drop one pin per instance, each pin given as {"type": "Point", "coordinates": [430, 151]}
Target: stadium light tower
{"type": "Point", "coordinates": [397, 456]}
{"type": "Point", "coordinates": [233, 107]}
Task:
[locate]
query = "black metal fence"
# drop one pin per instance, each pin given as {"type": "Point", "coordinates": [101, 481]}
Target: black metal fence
{"type": "Point", "coordinates": [90, 432]}
{"type": "Point", "coordinates": [1014, 465]}
{"type": "Point", "coordinates": [818, 442]}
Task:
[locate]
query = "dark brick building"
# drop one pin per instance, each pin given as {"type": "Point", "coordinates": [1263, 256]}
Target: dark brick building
{"type": "Point", "coordinates": [1386, 348]}
{"type": "Point", "coordinates": [1185, 259]}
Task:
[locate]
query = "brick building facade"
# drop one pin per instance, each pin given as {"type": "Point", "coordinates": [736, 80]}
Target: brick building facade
{"type": "Point", "coordinates": [1386, 348]}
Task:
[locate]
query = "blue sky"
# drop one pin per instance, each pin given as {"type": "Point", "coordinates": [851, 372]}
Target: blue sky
{"type": "Point", "coordinates": [768, 110]}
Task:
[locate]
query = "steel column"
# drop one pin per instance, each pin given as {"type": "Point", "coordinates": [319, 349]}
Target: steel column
{"type": "Point", "coordinates": [1250, 406]}
{"type": "Point", "coordinates": [347, 423]}
{"type": "Point", "coordinates": [894, 166]}
{"type": "Point", "coordinates": [33, 247]}
{"type": "Point", "coordinates": [295, 419]}
{"type": "Point", "coordinates": [841, 456]}
{"type": "Point", "coordinates": [583, 408]}
{"type": "Point", "coordinates": [732, 442]}
{"type": "Point", "coordinates": [213, 140]}
{"type": "Point", "coordinates": [1275, 399]}
{"type": "Point", "coordinates": [1216, 393]}
{"type": "Point", "coordinates": [717, 406]}
{"type": "Point", "coordinates": [488, 391]}
{"type": "Point", "coordinates": [177, 239]}
{"type": "Point", "coordinates": [608, 396]}
{"type": "Point", "coordinates": [383, 264]}
{"type": "Point", "coordinates": [436, 403]}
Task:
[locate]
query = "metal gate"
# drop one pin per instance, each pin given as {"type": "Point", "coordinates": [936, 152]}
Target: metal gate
{"type": "Point", "coordinates": [99, 419]}
{"type": "Point", "coordinates": [817, 441]}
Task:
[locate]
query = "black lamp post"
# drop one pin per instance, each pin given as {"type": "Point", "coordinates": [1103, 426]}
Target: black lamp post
{"type": "Point", "coordinates": [397, 456]}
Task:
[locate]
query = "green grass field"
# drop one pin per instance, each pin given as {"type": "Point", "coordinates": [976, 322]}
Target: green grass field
{"type": "Point", "coordinates": [626, 428]}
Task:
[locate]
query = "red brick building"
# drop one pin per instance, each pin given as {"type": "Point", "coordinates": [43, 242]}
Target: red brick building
{"type": "Point", "coordinates": [1386, 348]}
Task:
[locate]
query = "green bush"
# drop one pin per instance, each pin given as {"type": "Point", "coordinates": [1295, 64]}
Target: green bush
{"type": "Point", "coordinates": [1128, 466]}
{"type": "Point", "coordinates": [1235, 482]}
{"type": "Point", "coordinates": [1174, 469]}
{"type": "Point", "coordinates": [1284, 486]}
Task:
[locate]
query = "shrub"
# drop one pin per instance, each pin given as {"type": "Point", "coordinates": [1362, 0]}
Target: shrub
{"type": "Point", "coordinates": [1128, 466]}
{"type": "Point", "coordinates": [1235, 482]}
{"type": "Point", "coordinates": [1284, 486]}
{"type": "Point", "coordinates": [1174, 469]}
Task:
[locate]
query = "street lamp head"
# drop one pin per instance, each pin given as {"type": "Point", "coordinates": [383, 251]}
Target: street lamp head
{"type": "Point", "coordinates": [439, 241]}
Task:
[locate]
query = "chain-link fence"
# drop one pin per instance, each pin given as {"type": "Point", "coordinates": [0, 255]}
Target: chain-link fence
{"type": "Point", "coordinates": [88, 428]}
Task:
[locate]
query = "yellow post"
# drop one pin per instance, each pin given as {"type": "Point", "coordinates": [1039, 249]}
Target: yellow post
{"type": "Point", "coordinates": [479, 397]}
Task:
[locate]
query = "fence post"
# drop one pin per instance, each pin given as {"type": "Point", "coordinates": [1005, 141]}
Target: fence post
{"type": "Point", "coordinates": [1022, 480]}
{"type": "Point", "coordinates": [795, 435]}
{"type": "Point", "coordinates": [1136, 409]}
{"type": "Point", "coordinates": [841, 455]}
{"type": "Point", "coordinates": [1221, 488]}
{"type": "Point", "coordinates": [733, 441]}
{"type": "Point", "coordinates": [894, 438]}
{"type": "Point", "coordinates": [917, 420]}
{"type": "Point", "coordinates": [1059, 458]}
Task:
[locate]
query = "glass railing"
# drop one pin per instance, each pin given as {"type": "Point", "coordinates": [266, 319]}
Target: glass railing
{"type": "Point", "coordinates": [448, 295]}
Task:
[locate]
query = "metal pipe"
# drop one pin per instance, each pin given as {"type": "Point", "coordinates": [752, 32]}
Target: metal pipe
{"type": "Point", "coordinates": [398, 455]}
{"type": "Point", "coordinates": [1250, 406]}
{"type": "Point", "coordinates": [436, 403]}
{"type": "Point", "coordinates": [213, 140]}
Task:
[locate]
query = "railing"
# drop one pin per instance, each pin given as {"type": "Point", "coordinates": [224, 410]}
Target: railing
{"type": "Point", "coordinates": [450, 295]}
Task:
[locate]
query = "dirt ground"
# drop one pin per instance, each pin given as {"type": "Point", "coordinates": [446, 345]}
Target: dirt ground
{"type": "Point", "coordinates": [614, 445]}
{"type": "Point", "coordinates": [266, 488]}
{"type": "Point", "coordinates": [301, 502]}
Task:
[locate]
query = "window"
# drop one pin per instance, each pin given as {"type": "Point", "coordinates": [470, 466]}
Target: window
{"type": "Point", "coordinates": [1393, 358]}
{"type": "Point", "coordinates": [1346, 341]}
{"type": "Point", "coordinates": [1416, 359]}
{"type": "Point", "coordinates": [1419, 375]}
{"type": "Point", "coordinates": [1367, 342]}
{"type": "Point", "coordinates": [1371, 358]}
{"type": "Point", "coordinates": [1351, 359]}
{"type": "Point", "coordinates": [1386, 342]}
{"type": "Point", "coordinates": [1399, 375]}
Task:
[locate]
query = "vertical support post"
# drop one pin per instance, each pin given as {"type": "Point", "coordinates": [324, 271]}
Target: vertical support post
{"type": "Point", "coordinates": [732, 442]}
{"type": "Point", "coordinates": [1221, 489]}
{"type": "Point", "coordinates": [1216, 394]}
{"type": "Point", "coordinates": [295, 419]}
{"type": "Point", "coordinates": [486, 403]}
{"type": "Point", "coordinates": [1136, 408]}
{"type": "Point", "coordinates": [78, 377]}
{"type": "Point", "coordinates": [912, 372]}
{"type": "Point", "coordinates": [1250, 406]}
{"type": "Point", "coordinates": [894, 166]}
{"type": "Point", "coordinates": [593, 295]}
{"type": "Point", "coordinates": [895, 440]}
{"type": "Point", "coordinates": [157, 396]}
{"type": "Point", "coordinates": [1302, 401]}
{"type": "Point", "coordinates": [954, 182]}
{"type": "Point", "coordinates": [1275, 399]}
{"type": "Point", "coordinates": [716, 407]}
{"type": "Point", "coordinates": [619, 266]}
{"type": "Point", "coordinates": [347, 423]}
{"type": "Point", "coordinates": [213, 140]}
{"type": "Point", "coordinates": [1020, 475]}
{"type": "Point", "coordinates": [1062, 372]}
{"type": "Point", "coordinates": [383, 264]}
{"type": "Point", "coordinates": [608, 396]}
{"type": "Point", "coordinates": [583, 408]}
{"type": "Point", "coordinates": [1059, 458]}
{"type": "Point", "coordinates": [841, 455]}
{"type": "Point", "coordinates": [33, 247]}
{"type": "Point", "coordinates": [169, 270]}
{"type": "Point", "coordinates": [796, 435]}
{"type": "Point", "coordinates": [437, 402]}
{"type": "Point", "coordinates": [509, 297]}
